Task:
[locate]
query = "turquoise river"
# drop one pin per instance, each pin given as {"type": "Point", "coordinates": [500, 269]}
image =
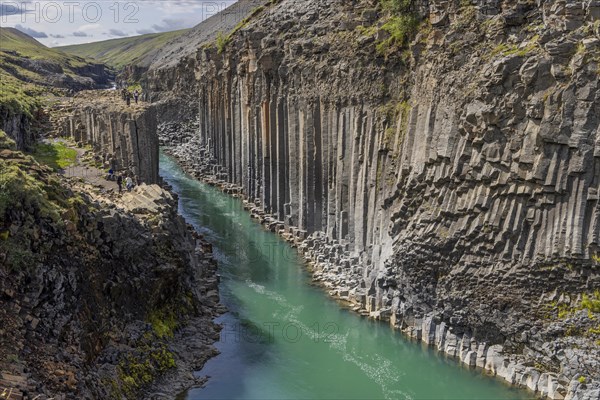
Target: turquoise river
{"type": "Point", "coordinates": [284, 338]}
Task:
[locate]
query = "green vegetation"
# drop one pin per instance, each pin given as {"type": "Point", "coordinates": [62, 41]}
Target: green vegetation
{"type": "Point", "coordinates": [221, 42]}
{"type": "Point", "coordinates": [137, 371]}
{"type": "Point", "coordinates": [505, 50]}
{"type": "Point", "coordinates": [134, 86]}
{"type": "Point", "coordinates": [164, 322]}
{"type": "Point", "coordinates": [593, 331]}
{"type": "Point", "coordinates": [23, 61]}
{"type": "Point", "coordinates": [401, 29]}
{"type": "Point", "coordinates": [16, 43]}
{"type": "Point", "coordinates": [27, 186]}
{"type": "Point", "coordinates": [398, 21]}
{"type": "Point", "coordinates": [118, 53]}
{"type": "Point", "coordinates": [17, 96]}
{"type": "Point", "coordinates": [591, 303]}
{"type": "Point", "coordinates": [396, 6]}
{"type": "Point", "coordinates": [581, 380]}
{"type": "Point", "coordinates": [56, 155]}
{"type": "Point", "coordinates": [6, 142]}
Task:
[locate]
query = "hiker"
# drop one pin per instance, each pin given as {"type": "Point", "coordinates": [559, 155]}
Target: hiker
{"type": "Point", "coordinates": [120, 183]}
{"type": "Point", "coordinates": [128, 98]}
{"type": "Point", "coordinates": [124, 94]}
{"type": "Point", "coordinates": [136, 94]}
{"type": "Point", "coordinates": [111, 175]}
{"type": "Point", "coordinates": [129, 184]}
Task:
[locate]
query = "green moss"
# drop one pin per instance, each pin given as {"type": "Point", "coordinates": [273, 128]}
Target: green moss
{"type": "Point", "coordinates": [17, 96]}
{"type": "Point", "coordinates": [593, 331]}
{"type": "Point", "coordinates": [467, 18]}
{"type": "Point", "coordinates": [573, 330]}
{"type": "Point", "coordinates": [401, 29]}
{"type": "Point", "coordinates": [581, 379]}
{"type": "Point", "coordinates": [563, 311]}
{"type": "Point", "coordinates": [396, 6]}
{"type": "Point", "coordinates": [20, 189]}
{"type": "Point", "coordinates": [135, 372]}
{"type": "Point", "coordinates": [6, 142]}
{"type": "Point", "coordinates": [164, 322]}
{"type": "Point", "coordinates": [591, 302]}
{"type": "Point", "coordinates": [505, 49]}
{"type": "Point", "coordinates": [56, 155]}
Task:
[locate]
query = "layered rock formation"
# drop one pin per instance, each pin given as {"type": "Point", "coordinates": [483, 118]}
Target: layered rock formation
{"type": "Point", "coordinates": [96, 294]}
{"type": "Point", "coordinates": [124, 136]}
{"type": "Point", "coordinates": [450, 187]}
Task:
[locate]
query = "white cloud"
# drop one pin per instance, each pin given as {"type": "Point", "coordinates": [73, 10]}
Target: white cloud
{"type": "Point", "coordinates": [80, 34]}
{"type": "Point", "coordinates": [89, 27]}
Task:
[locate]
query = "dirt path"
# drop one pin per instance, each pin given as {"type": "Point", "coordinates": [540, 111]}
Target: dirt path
{"type": "Point", "coordinates": [90, 174]}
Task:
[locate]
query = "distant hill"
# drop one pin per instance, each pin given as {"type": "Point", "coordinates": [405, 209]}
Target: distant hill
{"type": "Point", "coordinates": [28, 70]}
{"type": "Point", "coordinates": [119, 53]}
{"type": "Point", "coordinates": [27, 60]}
{"type": "Point", "coordinates": [160, 49]}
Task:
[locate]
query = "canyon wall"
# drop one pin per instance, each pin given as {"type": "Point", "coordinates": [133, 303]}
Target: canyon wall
{"type": "Point", "coordinates": [124, 136]}
{"type": "Point", "coordinates": [100, 295]}
{"type": "Point", "coordinates": [17, 126]}
{"type": "Point", "coordinates": [449, 186]}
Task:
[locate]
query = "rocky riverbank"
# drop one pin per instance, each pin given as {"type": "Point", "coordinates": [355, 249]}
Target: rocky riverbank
{"type": "Point", "coordinates": [102, 295]}
{"type": "Point", "coordinates": [566, 340]}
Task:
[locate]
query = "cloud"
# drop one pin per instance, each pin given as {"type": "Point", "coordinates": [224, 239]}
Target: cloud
{"type": "Point", "coordinates": [144, 31]}
{"type": "Point", "coordinates": [89, 27]}
{"type": "Point", "coordinates": [56, 37]}
{"type": "Point", "coordinates": [12, 8]}
{"type": "Point", "coordinates": [31, 32]}
{"type": "Point", "coordinates": [117, 32]}
{"type": "Point", "coordinates": [171, 24]}
{"type": "Point", "coordinates": [80, 34]}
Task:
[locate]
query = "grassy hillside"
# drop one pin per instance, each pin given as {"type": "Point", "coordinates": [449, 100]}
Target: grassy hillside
{"type": "Point", "coordinates": [14, 41]}
{"type": "Point", "coordinates": [28, 71]}
{"type": "Point", "coordinates": [120, 52]}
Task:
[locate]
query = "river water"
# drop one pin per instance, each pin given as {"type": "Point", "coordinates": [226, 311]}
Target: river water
{"type": "Point", "coordinates": [285, 339]}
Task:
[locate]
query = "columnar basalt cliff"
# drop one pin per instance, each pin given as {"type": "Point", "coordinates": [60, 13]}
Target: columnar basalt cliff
{"type": "Point", "coordinates": [124, 136]}
{"type": "Point", "coordinates": [450, 186]}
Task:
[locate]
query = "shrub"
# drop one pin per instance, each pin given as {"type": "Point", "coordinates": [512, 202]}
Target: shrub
{"type": "Point", "coordinates": [400, 28]}
{"type": "Point", "coordinates": [396, 6]}
{"type": "Point", "coordinates": [222, 42]}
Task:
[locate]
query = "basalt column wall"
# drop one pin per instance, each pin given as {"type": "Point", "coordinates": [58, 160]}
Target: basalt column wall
{"type": "Point", "coordinates": [449, 185]}
{"type": "Point", "coordinates": [125, 136]}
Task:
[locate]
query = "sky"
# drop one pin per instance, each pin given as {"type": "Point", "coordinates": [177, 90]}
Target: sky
{"type": "Point", "coordinates": [59, 23]}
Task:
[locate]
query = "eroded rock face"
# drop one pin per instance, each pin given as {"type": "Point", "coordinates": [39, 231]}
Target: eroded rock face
{"type": "Point", "coordinates": [99, 298]}
{"type": "Point", "coordinates": [450, 188]}
{"type": "Point", "coordinates": [18, 127]}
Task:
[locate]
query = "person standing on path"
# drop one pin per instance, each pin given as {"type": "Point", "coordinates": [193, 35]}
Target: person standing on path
{"type": "Point", "coordinates": [128, 98]}
{"type": "Point", "coordinates": [120, 183]}
{"type": "Point", "coordinates": [129, 183]}
{"type": "Point", "coordinates": [136, 95]}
